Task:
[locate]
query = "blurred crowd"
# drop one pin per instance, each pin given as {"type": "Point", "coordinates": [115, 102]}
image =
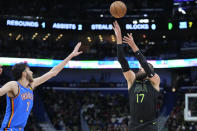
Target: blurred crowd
{"type": "Point", "coordinates": [63, 109]}
{"type": "Point", "coordinates": [176, 120]}
{"type": "Point", "coordinates": [109, 112]}
{"type": "Point", "coordinates": [164, 49]}
{"type": "Point", "coordinates": [101, 111]}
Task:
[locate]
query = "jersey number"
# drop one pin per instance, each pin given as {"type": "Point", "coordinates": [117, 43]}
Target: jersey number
{"type": "Point", "coordinates": [140, 96]}
{"type": "Point", "coordinates": [28, 103]}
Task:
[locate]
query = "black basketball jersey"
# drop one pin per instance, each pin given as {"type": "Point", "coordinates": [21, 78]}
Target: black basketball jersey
{"type": "Point", "coordinates": [142, 100]}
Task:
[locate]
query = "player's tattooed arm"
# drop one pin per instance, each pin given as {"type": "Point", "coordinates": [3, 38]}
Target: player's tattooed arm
{"type": "Point", "coordinates": [55, 70]}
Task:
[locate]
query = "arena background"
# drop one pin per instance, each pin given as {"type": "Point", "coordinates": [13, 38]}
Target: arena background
{"type": "Point", "coordinates": [91, 94]}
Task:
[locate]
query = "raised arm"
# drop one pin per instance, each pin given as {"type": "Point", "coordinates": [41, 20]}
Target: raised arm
{"type": "Point", "coordinates": [154, 78]}
{"type": "Point", "coordinates": [55, 70]}
{"type": "Point", "coordinates": [128, 74]}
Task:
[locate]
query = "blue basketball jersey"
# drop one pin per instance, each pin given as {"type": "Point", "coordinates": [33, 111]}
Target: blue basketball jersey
{"type": "Point", "coordinates": [18, 110]}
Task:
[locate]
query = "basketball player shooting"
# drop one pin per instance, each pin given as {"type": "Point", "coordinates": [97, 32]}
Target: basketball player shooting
{"type": "Point", "coordinates": [143, 86]}
{"type": "Point", "coordinates": [20, 92]}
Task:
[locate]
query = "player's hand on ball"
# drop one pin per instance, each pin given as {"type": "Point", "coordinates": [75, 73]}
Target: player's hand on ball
{"type": "Point", "coordinates": [76, 51]}
{"type": "Point", "coordinates": [128, 39]}
{"type": "Point", "coordinates": [1, 69]}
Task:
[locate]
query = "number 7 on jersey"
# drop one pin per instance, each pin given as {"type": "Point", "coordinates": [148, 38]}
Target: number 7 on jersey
{"type": "Point", "coordinates": [141, 96]}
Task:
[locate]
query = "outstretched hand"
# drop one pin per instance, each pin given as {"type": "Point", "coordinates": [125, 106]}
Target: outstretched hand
{"type": "Point", "coordinates": [117, 32]}
{"type": "Point", "coordinates": [128, 39]}
{"type": "Point", "coordinates": [76, 51]}
{"type": "Point", "coordinates": [116, 28]}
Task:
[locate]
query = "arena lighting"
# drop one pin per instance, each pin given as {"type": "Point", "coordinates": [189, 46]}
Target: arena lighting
{"type": "Point", "coordinates": [145, 15]}
{"type": "Point", "coordinates": [34, 36]}
{"type": "Point", "coordinates": [135, 22]}
{"type": "Point", "coordinates": [113, 38]}
{"type": "Point", "coordinates": [17, 38]}
{"type": "Point", "coordinates": [46, 37]}
{"type": "Point", "coordinates": [151, 43]}
{"type": "Point", "coordinates": [101, 15]}
{"type": "Point", "coordinates": [177, 63]}
{"type": "Point", "coordinates": [101, 38]}
{"type": "Point", "coordinates": [180, 9]}
{"type": "Point", "coordinates": [170, 26]}
{"type": "Point", "coordinates": [143, 20]}
{"type": "Point", "coordinates": [58, 38]}
{"type": "Point", "coordinates": [89, 39]}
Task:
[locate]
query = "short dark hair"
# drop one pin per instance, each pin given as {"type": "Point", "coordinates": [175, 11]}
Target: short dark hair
{"type": "Point", "coordinates": [18, 69]}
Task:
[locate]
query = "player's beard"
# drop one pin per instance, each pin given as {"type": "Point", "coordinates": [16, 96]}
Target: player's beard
{"type": "Point", "coordinates": [140, 76]}
{"type": "Point", "coordinates": [29, 78]}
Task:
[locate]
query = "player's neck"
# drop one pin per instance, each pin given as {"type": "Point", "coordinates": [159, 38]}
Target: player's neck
{"type": "Point", "coordinates": [24, 82]}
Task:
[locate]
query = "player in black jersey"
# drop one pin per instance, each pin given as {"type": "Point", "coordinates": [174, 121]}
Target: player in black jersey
{"type": "Point", "coordinates": [143, 86]}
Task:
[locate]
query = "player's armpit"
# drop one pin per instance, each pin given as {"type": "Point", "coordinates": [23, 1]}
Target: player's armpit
{"type": "Point", "coordinates": [155, 81]}
{"type": "Point", "coordinates": [8, 87]}
{"type": "Point", "coordinates": [130, 77]}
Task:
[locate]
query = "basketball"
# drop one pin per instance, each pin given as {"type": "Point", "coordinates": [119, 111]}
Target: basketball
{"type": "Point", "coordinates": [118, 9]}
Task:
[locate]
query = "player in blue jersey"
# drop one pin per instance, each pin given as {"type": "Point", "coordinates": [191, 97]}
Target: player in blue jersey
{"type": "Point", "coordinates": [20, 92]}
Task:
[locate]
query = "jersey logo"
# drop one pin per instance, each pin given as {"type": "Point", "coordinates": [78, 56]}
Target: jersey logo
{"type": "Point", "coordinates": [26, 96]}
{"type": "Point", "coordinates": [139, 88]}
